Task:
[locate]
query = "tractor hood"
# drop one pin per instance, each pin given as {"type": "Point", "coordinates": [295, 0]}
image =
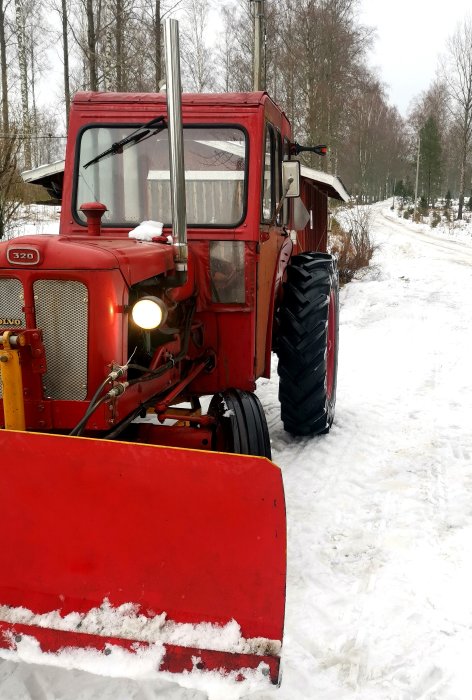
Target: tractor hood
{"type": "Point", "coordinates": [137, 260]}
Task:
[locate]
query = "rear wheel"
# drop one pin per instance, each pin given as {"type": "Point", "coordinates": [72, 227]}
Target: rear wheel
{"type": "Point", "coordinates": [308, 344]}
{"type": "Point", "coordinates": [241, 424]}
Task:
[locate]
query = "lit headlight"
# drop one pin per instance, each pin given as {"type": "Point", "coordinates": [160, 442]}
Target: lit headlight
{"type": "Point", "coordinates": [149, 313]}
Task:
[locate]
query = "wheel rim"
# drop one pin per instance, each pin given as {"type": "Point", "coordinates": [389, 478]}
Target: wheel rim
{"type": "Point", "coordinates": [331, 345]}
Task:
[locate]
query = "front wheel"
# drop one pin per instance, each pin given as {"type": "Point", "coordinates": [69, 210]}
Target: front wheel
{"type": "Point", "coordinates": [241, 425]}
{"type": "Point", "coordinates": [308, 344]}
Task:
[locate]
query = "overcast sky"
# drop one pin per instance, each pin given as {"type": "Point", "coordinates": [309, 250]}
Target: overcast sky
{"type": "Point", "coordinates": [410, 36]}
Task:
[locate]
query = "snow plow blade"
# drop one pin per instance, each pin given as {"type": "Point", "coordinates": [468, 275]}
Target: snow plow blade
{"type": "Point", "coordinates": [107, 543]}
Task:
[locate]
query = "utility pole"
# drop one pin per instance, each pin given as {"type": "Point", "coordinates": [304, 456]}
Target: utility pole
{"type": "Point", "coordinates": [417, 172]}
{"type": "Point", "coordinates": [258, 82]}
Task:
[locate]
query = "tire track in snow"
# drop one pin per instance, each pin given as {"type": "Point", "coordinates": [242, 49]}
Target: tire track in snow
{"type": "Point", "coordinates": [388, 486]}
{"type": "Point", "coordinates": [461, 253]}
{"type": "Point", "coordinates": [429, 474]}
{"type": "Point", "coordinates": [21, 681]}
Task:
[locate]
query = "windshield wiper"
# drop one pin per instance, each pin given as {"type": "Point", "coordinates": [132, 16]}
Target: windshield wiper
{"type": "Point", "coordinates": [139, 134]}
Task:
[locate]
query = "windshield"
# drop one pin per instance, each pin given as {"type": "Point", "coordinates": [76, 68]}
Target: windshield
{"type": "Point", "coordinates": [135, 184]}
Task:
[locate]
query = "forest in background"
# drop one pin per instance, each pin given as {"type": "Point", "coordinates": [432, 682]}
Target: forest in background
{"type": "Point", "coordinates": [315, 67]}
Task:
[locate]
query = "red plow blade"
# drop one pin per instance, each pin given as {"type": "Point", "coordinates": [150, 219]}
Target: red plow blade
{"type": "Point", "coordinates": [108, 543]}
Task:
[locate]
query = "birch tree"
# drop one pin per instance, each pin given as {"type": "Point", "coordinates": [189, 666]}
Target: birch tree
{"type": "Point", "coordinates": [226, 50]}
{"type": "Point", "coordinates": [4, 69]}
{"type": "Point", "coordinates": [9, 181]}
{"type": "Point", "coordinates": [61, 8]}
{"type": "Point", "coordinates": [235, 50]}
{"type": "Point", "coordinates": [457, 73]}
{"type": "Point", "coordinates": [20, 22]}
{"type": "Point", "coordinates": [196, 56]}
{"type": "Point", "coordinates": [65, 54]}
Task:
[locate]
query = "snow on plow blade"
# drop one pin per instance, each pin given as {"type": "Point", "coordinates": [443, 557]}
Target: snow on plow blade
{"type": "Point", "coordinates": [107, 543]}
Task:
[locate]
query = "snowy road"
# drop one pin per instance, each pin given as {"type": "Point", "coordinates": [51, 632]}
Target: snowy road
{"type": "Point", "coordinates": [380, 511]}
{"type": "Point", "coordinates": [460, 251]}
{"type": "Point", "coordinates": [379, 601]}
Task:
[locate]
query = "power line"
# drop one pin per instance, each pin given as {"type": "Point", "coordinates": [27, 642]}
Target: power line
{"type": "Point", "coordinates": [31, 136]}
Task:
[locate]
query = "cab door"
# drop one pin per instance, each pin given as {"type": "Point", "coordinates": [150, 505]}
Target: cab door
{"type": "Point", "coordinates": [271, 239]}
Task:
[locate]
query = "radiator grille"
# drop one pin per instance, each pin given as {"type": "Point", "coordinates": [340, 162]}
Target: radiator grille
{"type": "Point", "coordinates": [62, 314]}
{"type": "Point", "coordinates": [11, 303]}
{"type": "Point", "coordinates": [11, 306]}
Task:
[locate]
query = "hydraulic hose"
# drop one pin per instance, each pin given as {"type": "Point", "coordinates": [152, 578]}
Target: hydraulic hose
{"type": "Point", "coordinates": [91, 409]}
{"type": "Point", "coordinates": [94, 402]}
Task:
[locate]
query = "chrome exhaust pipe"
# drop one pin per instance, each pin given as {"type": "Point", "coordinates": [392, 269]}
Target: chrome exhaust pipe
{"type": "Point", "coordinates": [176, 148]}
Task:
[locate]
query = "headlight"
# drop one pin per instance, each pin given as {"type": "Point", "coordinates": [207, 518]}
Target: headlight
{"type": "Point", "coordinates": [149, 312]}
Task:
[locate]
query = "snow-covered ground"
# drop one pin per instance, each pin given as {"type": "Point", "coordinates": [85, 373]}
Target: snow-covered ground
{"type": "Point", "coordinates": [35, 218]}
{"type": "Point", "coordinates": [379, 602]}
{"type": "Point", "coordinates": [455, 229]}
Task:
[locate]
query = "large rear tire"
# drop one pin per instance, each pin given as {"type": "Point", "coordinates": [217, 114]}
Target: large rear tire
{"type": "Point", "coordinates": [308, 344]}
{"type": "Point", "coordinates": [241, 424]}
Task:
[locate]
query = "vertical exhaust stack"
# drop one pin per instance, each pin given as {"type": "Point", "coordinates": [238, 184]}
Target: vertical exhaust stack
{"type": "Point", "coordinates": [176, 150]}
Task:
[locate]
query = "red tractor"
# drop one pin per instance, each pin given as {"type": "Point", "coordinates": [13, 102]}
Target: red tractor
{"type": "Point", "coordinates": [110, 334]}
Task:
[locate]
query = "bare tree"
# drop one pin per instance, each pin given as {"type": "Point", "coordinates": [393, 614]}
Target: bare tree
{"type": "Point", "coordinates": [118, 45]}
{"type": "Point", "coordinates": [236, 48]}
{"type": "Point", "coordinates": [20, 19]}
{"type": "Point", "coordinates": [83, 38]}
{"type": "Point", "coordinates": [227, 47]}
{"type": "Point", "coordinates": [62, 9]}
{"type": "Point", "coordinates": [92, 45]}
{"type": "Point", "coordinates": [330, 54]}
{"type": "Point", "coordinates": [157, 39]}
{"type": "Point", "coordinates": [9, 181]}
{"type": "Point", "coordinates": [152, 18]}
{"type": "Point", "coordinates": [3, 62]}
{"type": "Point", "coordinates": [457, 73]}
{"type": "Point", "coordinates": [65, 54]}
{"type": "Point", "coordinates": [196, 56]}
{"type": "Point", "coordinates": [148, 66]}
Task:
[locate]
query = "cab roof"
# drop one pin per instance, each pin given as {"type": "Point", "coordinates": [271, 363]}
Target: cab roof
{"type": "Point", "coordinates": [225, 99]}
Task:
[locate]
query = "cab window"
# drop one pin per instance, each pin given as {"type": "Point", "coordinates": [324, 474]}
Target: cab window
{"type": "Point", "coordinates": [268, 184]}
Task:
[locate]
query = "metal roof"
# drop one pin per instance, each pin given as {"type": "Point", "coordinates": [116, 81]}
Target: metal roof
{"type": "Point", "coordinates": [330, 185]}
{"type": "Point", "coordinates": [50, 176]}
{"type": "Point", "coordinates": [43, 171]}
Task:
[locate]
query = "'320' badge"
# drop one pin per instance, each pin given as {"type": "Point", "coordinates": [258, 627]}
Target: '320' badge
{"type": "Point", "coordinates": [23, 255]}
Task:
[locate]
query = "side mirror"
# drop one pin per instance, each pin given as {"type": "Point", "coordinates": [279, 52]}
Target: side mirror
{"type": "Point", "coordinates": [291, 178]}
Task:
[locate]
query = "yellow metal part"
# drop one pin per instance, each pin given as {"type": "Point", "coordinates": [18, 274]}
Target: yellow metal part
{"type": "Point", "coordinates": [12, 384]}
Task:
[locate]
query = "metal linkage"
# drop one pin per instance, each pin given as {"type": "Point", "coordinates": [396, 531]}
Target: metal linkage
{"type": "Point", "coordinates": [12, 382]}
